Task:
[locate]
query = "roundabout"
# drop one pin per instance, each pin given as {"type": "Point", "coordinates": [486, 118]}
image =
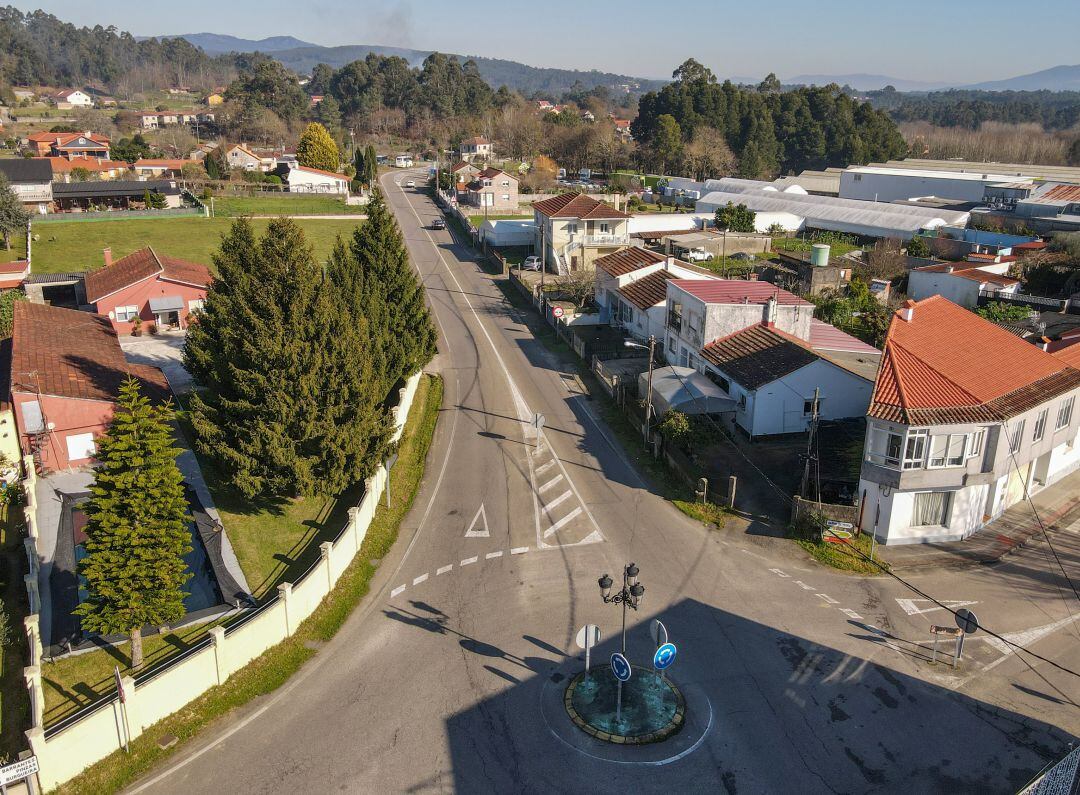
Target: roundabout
{"type": "Point", "coordinates": [653, 708]}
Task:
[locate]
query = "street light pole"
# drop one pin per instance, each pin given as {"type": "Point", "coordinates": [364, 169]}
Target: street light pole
{"type": "Point", "coordinates": [628, 596]}
{"type": "Point", "coordinates": [648, 395]}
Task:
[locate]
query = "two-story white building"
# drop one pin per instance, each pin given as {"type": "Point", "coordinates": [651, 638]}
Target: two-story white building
{"type": "Point", "coordinates": [240, 156]}
{"type": "Point", "coordinates": [493, 190]}
{"type": "Point", "coordinates": [475, 148]}
{"type": "Point", "coordinates": [574, 230]}
{"type": "Point", "coordinates": [966, 420]}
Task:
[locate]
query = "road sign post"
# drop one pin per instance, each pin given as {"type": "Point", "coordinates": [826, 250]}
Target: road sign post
{"type": "Point", "coordinates": [620, 666]}
{"type": "Point", "coordinates": [967, 624]}
{"type": "Point", "coordinates": [950, 632]}
{"type": "Point", "coordinates": [23, 770]}
{"type": "Point", "coordinates": [538, 422]}
{"type": "Point", "coordinates": [588, 637]}
{"type": "Point", "coordinates": [659, 632]}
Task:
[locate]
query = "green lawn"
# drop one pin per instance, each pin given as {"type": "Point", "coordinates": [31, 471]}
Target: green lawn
{"type": "Point", "coordinates": [839, 556]}
{"type": "Point", "coordinates": [66, 246]}
{"type": "Point", "coordinates": [231, 206]}
{"type": "Point", "coordinates": [274, 667]}
{"type": "Point", "coordinates": [837, 247]}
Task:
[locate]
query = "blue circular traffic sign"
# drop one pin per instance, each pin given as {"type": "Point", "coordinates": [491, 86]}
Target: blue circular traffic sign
{"type": "Point", "coordinates": [664, 656]}
{"type": "Point", "coordinates": [620, 666]}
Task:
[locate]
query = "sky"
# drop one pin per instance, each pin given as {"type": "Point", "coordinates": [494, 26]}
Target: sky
{"type": "Point", "coordinates": [959, 41]}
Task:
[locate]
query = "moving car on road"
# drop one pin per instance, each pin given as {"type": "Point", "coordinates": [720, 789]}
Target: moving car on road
{"type": "Point", "coordinates": [411, 183]}
{"type": "Point", "coordinates": [438, 223]}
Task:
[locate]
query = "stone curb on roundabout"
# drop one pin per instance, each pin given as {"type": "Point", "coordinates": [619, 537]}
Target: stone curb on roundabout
{"type": "Point", "coordinates": [673, 727]}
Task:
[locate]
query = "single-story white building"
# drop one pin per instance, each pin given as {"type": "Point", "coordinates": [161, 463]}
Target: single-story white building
{"type": "Point", "coordinates": [960, 282]}
{"type": "Point", "coordinates": [303, 179]}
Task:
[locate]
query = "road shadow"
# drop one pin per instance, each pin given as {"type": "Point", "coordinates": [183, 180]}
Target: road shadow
{"type": "Point", "coordinates": [789, 715]}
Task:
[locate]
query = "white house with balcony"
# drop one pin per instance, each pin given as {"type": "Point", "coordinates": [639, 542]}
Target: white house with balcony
{"type": "Point", "coordinates": [574, 230]}
{"type": "Point", "coordinates": [966, 420]}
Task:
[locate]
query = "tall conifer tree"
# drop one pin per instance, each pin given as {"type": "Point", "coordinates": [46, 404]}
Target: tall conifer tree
{"type": "Point", "coordinates": [136, 528]}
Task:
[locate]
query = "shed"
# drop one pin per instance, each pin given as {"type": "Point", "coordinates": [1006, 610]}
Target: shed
{"type": "Point", "coordinates": [686, 390]}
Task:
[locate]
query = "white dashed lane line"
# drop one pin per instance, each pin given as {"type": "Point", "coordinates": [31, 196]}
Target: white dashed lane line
{"type": "Point", "coordinates": [519, 550]}
{"type": "Point", "coordinates": [850, 613]}
{"type": "Point", "coordinates": [467, 561]}
{"type": "Point", "coordinates": [491, 555]}
{"type": "Point", "coordinates": [829, 601]}
{"type": "Point", "coordinates": [397, 590]}
{"type": "Point", "coordinates": [444, 569]}
{"type": "Point", "coordinates": [827, 598]}
{"type": "Point", "coordinates": [779, 573]}
{"type": "Point", "coordinates": [804, 586]}
{"type": "Point", "coordinates": [420, 579]}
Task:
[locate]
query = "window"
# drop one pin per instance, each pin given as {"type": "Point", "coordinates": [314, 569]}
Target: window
{"type": "Point", "coordinates": [885, 447]}
{"type": "Point", "coordinates": [1016, 436]}
{"type": "Point", "coordinates": [955, 454]}
{"type": "Point", "coordinates": [1064, 416]}
{"type": "Point", "coordinates": [605, 228]}
{"type": "Point", "coordinates": [80, 446]}
{"type": "Point", "coordinates": [125, 314]}
{"type": "Point", "coordinates": [506, 197]}
{"type": "Point", "coordinates": [672, 344]}
{"type": "Point", "coordinates": [915, 450]}
{"type": "Point", "coordinates": [1040, 426]}
{"type": "Point", "coordinates": [675, 316]}
{"type": "Point", "coordinates": [571, 229]}
{"type": "Point", "coordinates": [858, 177]}
{"type": "Point", "coordinates": [976, 446]}
{"type": "Point", "coordinates": [684, 357]}
{"type": "Point", "coordinates": [931, 509]}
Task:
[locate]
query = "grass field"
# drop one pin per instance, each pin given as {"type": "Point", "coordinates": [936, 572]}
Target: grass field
{"type": "Point", "coordinates": [232, 206]}
{"type": "Point", "coordinates": [274, 667]}
{"type": "Point", "coordinates": [839, 556]}
{"type": "Point", "coordinates": [66, 246]}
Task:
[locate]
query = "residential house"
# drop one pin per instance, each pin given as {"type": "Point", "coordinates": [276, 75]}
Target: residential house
{"type": "Point", "coordinates": [544, 106]}
{"type": "Point", "coordinates": [70, 145]}
{"type": "Point", "coordinates": [147, 167]}
{"type": "Point", "coordinates": [303, 179]}
{"type": "Point", "coordinates": [214, 99]}
{"type": "Point", "coordinates": [476, 148]}
{"type": "Point", "coordinates": [588, 116]}
{"type": "Point", "coordinates": [99, 168]}
{"type": "Point", "coordinates": [493, 190]}
{"type": "Point", "coordinates": [779, 381]}
{"type": "Point", "coordinates": [966, 420]}
{"type": "Point", "coordinates": [10, 452]}
{"type": "Point", "coordinates": [66, 371]}
{"type": "Point", "coordinates": [240, 156]}
{"type": "Point", "coordinates": [962, 283]}
{"type": "Point", "coordinates": [702, 310]}
{"type": "Point", "coordinates": [12, 276]}
{"type": "Point", "coordinates": [574, 230]}
{"type": "Point", "coordinates": [622, 129]}
{"type": "Point", "coordinates": [641, 311]}
{"type": "Point", "coordinates": [31, 180]}
{"type": "Point", "coordinates": [316, 99]}
{"type": "Point", "coordinates": [153, 287]}
{"type": "Point", "coordinates": [69, 98]}
{"type": "Point", "coordinates": [119, 194]}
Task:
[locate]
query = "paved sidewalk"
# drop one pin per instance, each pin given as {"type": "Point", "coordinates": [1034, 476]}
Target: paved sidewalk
{"type": "Point", "coordinates": [1058, 506]}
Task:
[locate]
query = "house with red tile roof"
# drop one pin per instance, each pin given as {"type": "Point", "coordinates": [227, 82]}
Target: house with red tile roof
{"type": "Point", "coordinates": [961, 282]}
{"type": "Point", "coordinates": [477, 148]}
{"type": "Point", "coordinates": [66, 368]}
{"type": "Point", "coordinates": [493, 190]}
{"type": "Point", "coordinates": [99, 167]}
{"type": "Point", "coordinates": [574, 230]}
{"type": "Point", "coordinates": [159, 167]}
{"type": "Point", "coordinates": [153, 287]}
{"type": "Point", "coordinates": [966, 420]}
{"type": "Point", "coordinates": [70, 145]}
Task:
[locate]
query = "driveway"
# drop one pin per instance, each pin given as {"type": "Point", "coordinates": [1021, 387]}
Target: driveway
{"type": "Point", "coordinates": [164, 351]}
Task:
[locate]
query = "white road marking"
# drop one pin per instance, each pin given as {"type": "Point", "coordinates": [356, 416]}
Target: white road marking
{"type": "Point", "coordinates": [779, 573]}
{"type": "Point", "coordinates": [1025, 638]}
{"type": "Point", "coordinates": [847, 611]}
{"type": "Point", "coordinates": [910, 607]}
{"type": "Point", "coordinates": [555, 527]}
{"type": "Point", "coordinates": [467, 561]}
{"type": "Point", "coordinates": [396, 591]}
{"type": "Point", "coordinates": [542, 469]}
{"type": "Point", "coordinates": [828, 598]}
{"type": "Point", "coordinates": [491, 555]}
{"type": "Point", "coordinates": [444, 569]}
{"type": "Point", "coordinates": [478, 528]}
{"type": "Point", "coordinates": [558, 501]}
{"type": "Point", "coordinates": [420, 579]}
{"type": "Point", "coordinates": [804, 586]}
{"type": "Point", "coordinates": [519, 550]}
{"type": "Point", "coordinates": [550, 483]}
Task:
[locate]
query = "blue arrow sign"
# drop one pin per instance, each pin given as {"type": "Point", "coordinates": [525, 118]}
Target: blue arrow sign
{"type": "Point", "coordinates": [620, 666]}
{"type": "Point", "coordinates": [664, 656]}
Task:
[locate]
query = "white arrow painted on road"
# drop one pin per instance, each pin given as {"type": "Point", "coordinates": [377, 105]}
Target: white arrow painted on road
{"type": "Point", "coordinates": [909, 606]}
{"type": "Point", "coordinates": [1025, 638]}
{"type": "Point", "coordinates": [479, 521]}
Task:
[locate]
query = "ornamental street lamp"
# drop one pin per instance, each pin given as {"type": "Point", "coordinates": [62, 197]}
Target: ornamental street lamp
{"type": "Point", "coordinates": [628, 596]}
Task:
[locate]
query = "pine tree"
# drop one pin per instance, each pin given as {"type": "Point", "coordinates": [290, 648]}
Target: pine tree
{"type": "Point", "coordinates": [316, 149]}
{"type": "Point", "coordinates": [136, 528]}
{"type": "Point", "coordinates": [292, 402]}
{"type": "Point", "coordinates": [377, 281]}
{"type": "Point", "coordinates": [371, 166]}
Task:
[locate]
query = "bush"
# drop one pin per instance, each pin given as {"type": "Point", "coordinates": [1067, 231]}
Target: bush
{"type": "Point", "coordinates": [810, 526]}
{"type": "Point", "coordinates": [918, 247]}
{"type": "Point", "coordinates": [676, 427]}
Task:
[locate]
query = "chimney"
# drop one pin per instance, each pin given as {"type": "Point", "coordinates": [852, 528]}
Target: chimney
{"type": "Point", "coordinates": [668, 262]}
{"type": "Point", "coordinates": [907, 311]}
{"type": "Point", "coordinates": [108, 256]}
{"type": "Point", "coordinates": [770, 312]}
{"type": "Point", "coordinates": [1044, 343]}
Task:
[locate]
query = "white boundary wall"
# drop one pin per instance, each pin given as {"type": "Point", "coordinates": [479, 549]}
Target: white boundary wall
{"type": "Point", "coordinates": [75, 747]}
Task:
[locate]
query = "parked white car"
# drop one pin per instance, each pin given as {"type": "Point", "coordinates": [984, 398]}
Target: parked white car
{"type": "Point", "coordinates": [696, 255]}
{"type": "Point", "coordinates": [531, 263]}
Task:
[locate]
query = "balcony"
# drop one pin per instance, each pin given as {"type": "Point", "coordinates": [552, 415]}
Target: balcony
{"type": "Point", "coordinates": [606, 240]}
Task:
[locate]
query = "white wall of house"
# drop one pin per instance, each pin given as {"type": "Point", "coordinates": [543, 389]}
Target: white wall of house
{"type": "Point", "coordinates": [961, 291]}
{"type": "Point", "coordinates": [304, 181]}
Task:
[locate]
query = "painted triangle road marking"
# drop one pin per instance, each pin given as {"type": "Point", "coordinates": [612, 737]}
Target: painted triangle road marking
{"type": "Point", "coordinates": [478, 528]}
{"type": "Point", "coordinates": [915, 607]}
{"type": "Point", "coordinates": [1028, 636]}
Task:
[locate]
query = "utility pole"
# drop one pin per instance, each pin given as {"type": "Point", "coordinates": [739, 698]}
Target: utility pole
{"type": "Point", "coordinates": [543, 264]}
{"type": "Point", "coordinates": [648, 395]}
{"type": "Point", "coordinates": [810, 447]}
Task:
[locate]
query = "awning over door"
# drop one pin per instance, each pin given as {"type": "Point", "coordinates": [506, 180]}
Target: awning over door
{"type": "Point", "coordinates": [168, 303]}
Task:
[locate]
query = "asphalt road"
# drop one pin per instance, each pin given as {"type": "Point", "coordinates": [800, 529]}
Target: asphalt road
{"type": "Point", "coordinates": [798, 678]}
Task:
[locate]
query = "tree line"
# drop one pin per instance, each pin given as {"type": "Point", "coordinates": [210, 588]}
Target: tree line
{"type": "Point", "coordinates": [1054, 110]}
{"type": "Point", "coordinates": [767, 129]}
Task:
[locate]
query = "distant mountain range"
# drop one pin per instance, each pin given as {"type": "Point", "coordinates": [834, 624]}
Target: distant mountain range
{"type": "Point", "coordinates": [302, 56]}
